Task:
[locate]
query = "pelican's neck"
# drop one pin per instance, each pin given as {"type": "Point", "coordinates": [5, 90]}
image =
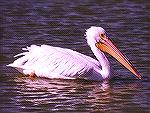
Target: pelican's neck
{"type": "Point", "coordinates": [105, 72]}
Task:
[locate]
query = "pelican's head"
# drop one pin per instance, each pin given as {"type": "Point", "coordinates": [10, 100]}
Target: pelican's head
{"type": "Point", "coordinates": [96, 36]}
{"type": "Point", "coordinates": [93, 34]}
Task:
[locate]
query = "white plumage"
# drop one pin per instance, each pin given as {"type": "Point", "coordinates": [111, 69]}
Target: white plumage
{"type": "Point", "coordinates": [56, 62]}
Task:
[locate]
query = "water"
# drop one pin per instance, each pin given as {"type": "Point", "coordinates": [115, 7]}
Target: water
{"type": "Point", "coordinates": [63, 24]}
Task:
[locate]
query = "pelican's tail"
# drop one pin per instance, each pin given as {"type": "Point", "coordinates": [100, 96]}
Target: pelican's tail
{"type": "Point", "coordinates": [19, 64]}
{"type": "Point", "coordinates": [16, 67]}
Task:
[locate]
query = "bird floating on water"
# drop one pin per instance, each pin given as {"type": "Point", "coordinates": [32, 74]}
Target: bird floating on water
{"type": "Point", "coordinates": [56, 62]}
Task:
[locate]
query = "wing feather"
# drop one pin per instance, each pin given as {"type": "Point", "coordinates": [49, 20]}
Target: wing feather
{"type": "Point", "coordinates": [53, 62]}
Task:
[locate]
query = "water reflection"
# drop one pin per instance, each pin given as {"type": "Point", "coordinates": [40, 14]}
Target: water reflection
{"type": "Point", "coordinates": [61, 94]}
{"type": "Point", "coordinates": [77, 95]}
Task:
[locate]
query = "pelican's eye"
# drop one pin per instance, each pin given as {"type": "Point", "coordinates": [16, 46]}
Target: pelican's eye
{"type": "Point", "coordinates": [102, 35]}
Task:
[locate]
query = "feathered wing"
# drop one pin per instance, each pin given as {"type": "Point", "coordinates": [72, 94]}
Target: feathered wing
{"type": "Point", "coordinates": [55, 62]}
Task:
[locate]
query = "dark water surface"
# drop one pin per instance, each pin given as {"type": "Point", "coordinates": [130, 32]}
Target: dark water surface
{"type": "Point", "coordinates": [63, 23]}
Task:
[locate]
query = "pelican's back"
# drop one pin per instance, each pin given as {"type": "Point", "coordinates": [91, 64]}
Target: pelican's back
{"type": "Point", "coordinates": [55, 62]}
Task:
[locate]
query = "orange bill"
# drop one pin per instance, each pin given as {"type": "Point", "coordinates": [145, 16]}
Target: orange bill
{"type": "Point", "coordinates": [108, 47]}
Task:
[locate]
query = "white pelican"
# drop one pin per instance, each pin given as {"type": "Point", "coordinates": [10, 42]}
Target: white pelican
{"type": "Point", "coordinates": [56, 62]}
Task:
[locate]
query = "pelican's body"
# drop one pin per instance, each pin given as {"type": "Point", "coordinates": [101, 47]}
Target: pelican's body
{"type": "Point", "coordinates": [56, 62]}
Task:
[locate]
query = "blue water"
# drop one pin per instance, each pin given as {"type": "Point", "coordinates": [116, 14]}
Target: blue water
{"type": "Point", "coordinates": [63, 24]}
